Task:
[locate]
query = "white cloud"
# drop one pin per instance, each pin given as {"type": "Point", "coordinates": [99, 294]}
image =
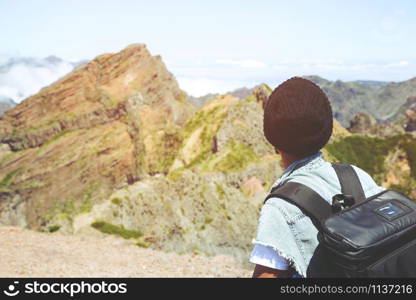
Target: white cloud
{"type": "Point", "coordinates": [245, 63]}
{"type": "Point", "coordinates": [311, 61]}
{"type": "Point", "coordinates": [201, 86]}
{"type": "Point", "coordinates": [336, 65]}
{"type": "Point", "coordinates": [23, 77]}
{"type": "Point", "coordinates": [399, 64]}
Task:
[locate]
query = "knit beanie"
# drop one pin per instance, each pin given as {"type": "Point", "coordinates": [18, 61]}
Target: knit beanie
{"type": "Point", "coordinates": [298, 117]}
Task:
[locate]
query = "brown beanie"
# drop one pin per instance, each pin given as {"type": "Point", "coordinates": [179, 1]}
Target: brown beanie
{"type": "Point", "coordinates": [298, 117]}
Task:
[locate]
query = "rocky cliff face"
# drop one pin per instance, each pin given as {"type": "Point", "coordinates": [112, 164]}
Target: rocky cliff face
{"type": "Point", "coordinates": [95, 129]}
{"type": "Point", "coordinates": [364, 123]}
{"type": "Point", "coordinates": [411, 123]}
{"type": "Point", "coordinates": [410, 114]}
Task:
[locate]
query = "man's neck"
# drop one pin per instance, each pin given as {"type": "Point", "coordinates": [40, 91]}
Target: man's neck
{"type": "Point", "coordinates": [288, 159]}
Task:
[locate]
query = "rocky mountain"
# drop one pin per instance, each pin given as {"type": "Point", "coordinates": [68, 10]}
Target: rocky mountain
{"type": "Point", "coordinates": [106, 124]}
{"type": "Point", "coordinates": [364, 123]}
{"type": "Point", "coordinates": [115, 148]}
{"type": "Point", "coordinates": [410, 113]}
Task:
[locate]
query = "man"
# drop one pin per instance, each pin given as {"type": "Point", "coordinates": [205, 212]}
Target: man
{"type": "Point", "coordinates": [298, 123]}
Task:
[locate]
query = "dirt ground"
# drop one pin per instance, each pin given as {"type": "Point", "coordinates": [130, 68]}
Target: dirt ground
{"type": "Point", "coordinates": [25, 253]}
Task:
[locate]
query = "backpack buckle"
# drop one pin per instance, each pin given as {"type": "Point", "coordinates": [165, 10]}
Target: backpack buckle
{"type": "Point", "coordinates": [341, 201]}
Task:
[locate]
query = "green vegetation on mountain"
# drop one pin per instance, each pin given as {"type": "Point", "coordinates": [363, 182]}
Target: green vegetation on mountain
{"type": "Point", "coordinates": [363, 151]}
{"type": "Point", "coordinates": [371, 154]}
{"type": "Point", "coordinates": [7, 179]}
{"type": "Point", "coordinates": [235, 157]}
{"type": "Point", "coordinates": [204, 126]}
{"type": "Point", "coordinates": [119, 230]}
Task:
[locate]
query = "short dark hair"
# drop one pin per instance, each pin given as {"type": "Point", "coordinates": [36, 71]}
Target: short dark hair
{"type": "Point", "coordinates": [298, 117]}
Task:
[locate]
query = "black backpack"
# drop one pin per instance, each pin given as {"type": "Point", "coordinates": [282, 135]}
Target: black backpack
{"type": "Point", "coordinates": [358, 237]}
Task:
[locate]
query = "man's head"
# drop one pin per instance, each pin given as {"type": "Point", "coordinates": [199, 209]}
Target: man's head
{"type": "Point", "coordinates": [298, 118]}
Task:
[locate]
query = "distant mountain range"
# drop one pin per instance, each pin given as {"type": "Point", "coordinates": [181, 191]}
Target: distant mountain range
{"type": "Point", "coordinates": [241, 93]}
{"type": "Point", "coordinates": [371, 83]}
{"type": "Point", "coordinates": [385, 101]}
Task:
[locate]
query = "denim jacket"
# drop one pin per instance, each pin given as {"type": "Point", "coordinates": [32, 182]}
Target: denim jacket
{"type": "Point", "coordinates": [283, 227]}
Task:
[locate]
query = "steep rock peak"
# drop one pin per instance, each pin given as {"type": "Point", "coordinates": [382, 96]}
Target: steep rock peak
{"type": "Point", "coordinates": [93, 94]}
{"type": "Point", "coordinates": [362, 123]}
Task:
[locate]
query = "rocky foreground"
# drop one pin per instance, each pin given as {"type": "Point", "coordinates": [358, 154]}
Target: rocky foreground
{"type": "Point", "coordinates": [26, 253]}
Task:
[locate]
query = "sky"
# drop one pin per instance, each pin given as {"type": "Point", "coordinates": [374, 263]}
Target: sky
{"type": "Point", "coordinates": [217, 46]}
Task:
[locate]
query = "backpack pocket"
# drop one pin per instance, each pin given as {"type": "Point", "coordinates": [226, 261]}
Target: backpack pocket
{"type": "Point", "coordinates": [400, 263]}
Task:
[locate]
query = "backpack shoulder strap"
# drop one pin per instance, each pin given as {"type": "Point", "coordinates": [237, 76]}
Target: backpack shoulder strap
{"type": "Point", "coordinates": [350, 183]}
{"type": "Point", "coordinates": [306, 199]}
